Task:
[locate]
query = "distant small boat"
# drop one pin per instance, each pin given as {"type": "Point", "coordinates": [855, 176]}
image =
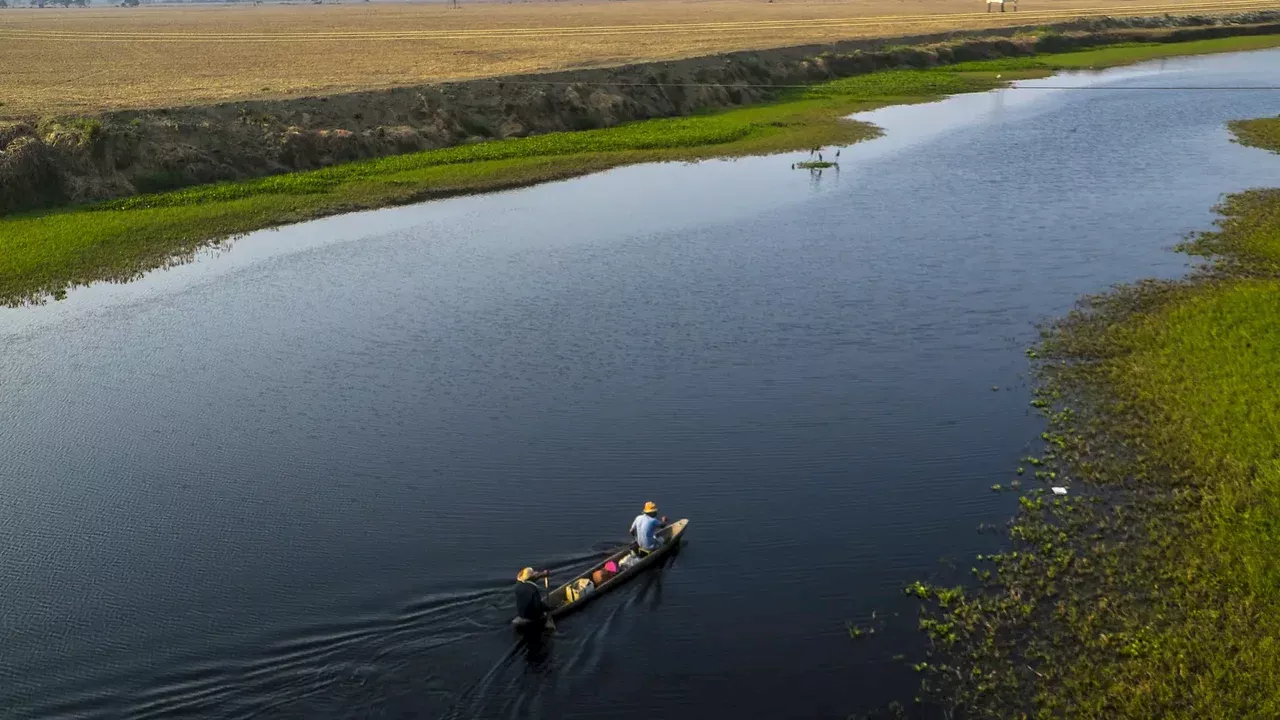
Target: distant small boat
{"type": "Point", "coordinates": [815, 165]}
{"type": "Point", "coordinates": [558, 600]}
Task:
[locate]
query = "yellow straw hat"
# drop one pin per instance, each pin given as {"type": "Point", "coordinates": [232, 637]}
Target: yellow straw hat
{"type": "Point", "coordinates": [525, 574]}
{"type": "Point", "coordinates": [651, 507]}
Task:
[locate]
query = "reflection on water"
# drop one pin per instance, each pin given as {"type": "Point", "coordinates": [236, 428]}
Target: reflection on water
{"type": "Point", "coordinates": [296, 477]}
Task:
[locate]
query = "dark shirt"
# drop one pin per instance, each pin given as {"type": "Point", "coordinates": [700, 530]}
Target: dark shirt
{"type": "Point", "coordinates": [529, 604]}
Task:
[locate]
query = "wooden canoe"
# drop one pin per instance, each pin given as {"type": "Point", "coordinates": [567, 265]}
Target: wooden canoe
{"type": "Point", "coordinates": [557, 599]}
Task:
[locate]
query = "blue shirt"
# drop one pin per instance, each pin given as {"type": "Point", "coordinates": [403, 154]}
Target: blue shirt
{"type": "Point", "coordinates": [646, 528]}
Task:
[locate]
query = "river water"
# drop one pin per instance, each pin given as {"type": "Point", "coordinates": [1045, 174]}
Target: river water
{"type": "Point", "coordinates": [296, 478]}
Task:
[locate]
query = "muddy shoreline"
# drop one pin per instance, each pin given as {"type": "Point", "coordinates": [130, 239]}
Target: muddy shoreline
{"type": "Point", "coordinates": [69, 160]}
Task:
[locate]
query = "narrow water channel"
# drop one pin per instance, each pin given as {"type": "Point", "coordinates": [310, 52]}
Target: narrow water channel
{"type": "Point", "coordinates": [296, 478]}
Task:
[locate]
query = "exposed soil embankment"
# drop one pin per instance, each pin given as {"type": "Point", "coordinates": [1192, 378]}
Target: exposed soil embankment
{"type": "Point", "coordinates": [71, 160]}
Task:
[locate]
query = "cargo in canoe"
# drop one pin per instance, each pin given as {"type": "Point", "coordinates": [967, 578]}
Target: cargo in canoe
{"type": "Point", "coordinates": [560, 605]}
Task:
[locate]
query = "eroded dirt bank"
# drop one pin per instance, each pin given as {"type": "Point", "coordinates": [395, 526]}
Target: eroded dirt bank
{"type": "Point", "coordinates": [47, 162]}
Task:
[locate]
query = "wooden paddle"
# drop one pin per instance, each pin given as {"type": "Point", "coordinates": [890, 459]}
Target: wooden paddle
{"type": "Point", "coordinates": [546, 583]}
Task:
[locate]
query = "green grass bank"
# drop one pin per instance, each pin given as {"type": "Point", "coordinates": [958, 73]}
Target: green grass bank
{"type": "Point", "coordinates": [43, 254]}
{"type": "Point", "coordinates": [1153, 590]}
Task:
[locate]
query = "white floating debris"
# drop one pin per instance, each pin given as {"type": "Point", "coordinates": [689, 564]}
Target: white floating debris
{"type": "Point", "coordinates": [1059, 491]}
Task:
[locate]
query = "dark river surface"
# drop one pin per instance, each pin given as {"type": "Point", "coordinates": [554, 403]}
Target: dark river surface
{"type": "Point", "coordinates": [296, 478]}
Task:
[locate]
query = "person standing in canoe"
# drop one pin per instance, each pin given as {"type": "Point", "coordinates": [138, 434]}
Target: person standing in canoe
{"type": "Point", "coordinates": [531, 609]}
{"type": "Point", "coordinates": [645, 529]}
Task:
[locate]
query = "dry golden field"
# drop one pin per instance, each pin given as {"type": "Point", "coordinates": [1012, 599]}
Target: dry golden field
{"type": "Point", "coordinates": [56, 61]}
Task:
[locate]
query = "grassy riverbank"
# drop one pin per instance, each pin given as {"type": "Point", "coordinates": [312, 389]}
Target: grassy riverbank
{"type": "Point", "coordinates": [42, 254]}
{"type": "Point", "coordinates": [1160, 596]}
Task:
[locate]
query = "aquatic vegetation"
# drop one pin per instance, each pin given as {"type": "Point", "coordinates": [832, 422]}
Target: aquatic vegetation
{"type": "Point", "coordinates": [1157, 593]}
{"type": "Point", "coordinates": [1263, 133]}
{"type": "Point", "coordinates": [917, 589]}
{"type": "Point", "coordinates": [42, 254]}
{"type": "Point", "coordinates": [857, 631]}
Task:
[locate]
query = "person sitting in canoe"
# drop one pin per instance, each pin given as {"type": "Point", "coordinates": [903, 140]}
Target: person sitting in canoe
{"type": "Point", "coordinates": [530, 607]}
{"type": "Point", "coordinates": [645, 529]}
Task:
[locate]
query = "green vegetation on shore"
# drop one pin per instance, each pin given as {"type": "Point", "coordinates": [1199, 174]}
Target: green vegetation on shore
{"type": "Point", "coordinates": [1153, 590]}
{"type": "Point", "coordinates": [42, 254]}
{"type": "Point", "coordinates": [1122, 54]}
{"type": "Point", "coordinates": [1262, 132]}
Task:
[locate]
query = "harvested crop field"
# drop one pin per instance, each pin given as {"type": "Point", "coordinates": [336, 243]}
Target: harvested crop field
{"type": "Point", "coordinates": [76, 60]}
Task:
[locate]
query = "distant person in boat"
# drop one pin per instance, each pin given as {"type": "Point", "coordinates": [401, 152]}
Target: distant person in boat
{"type": "Point", "coordinates": [645, 529]}
{"type": "Point", "coordinates": [530, 607]}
